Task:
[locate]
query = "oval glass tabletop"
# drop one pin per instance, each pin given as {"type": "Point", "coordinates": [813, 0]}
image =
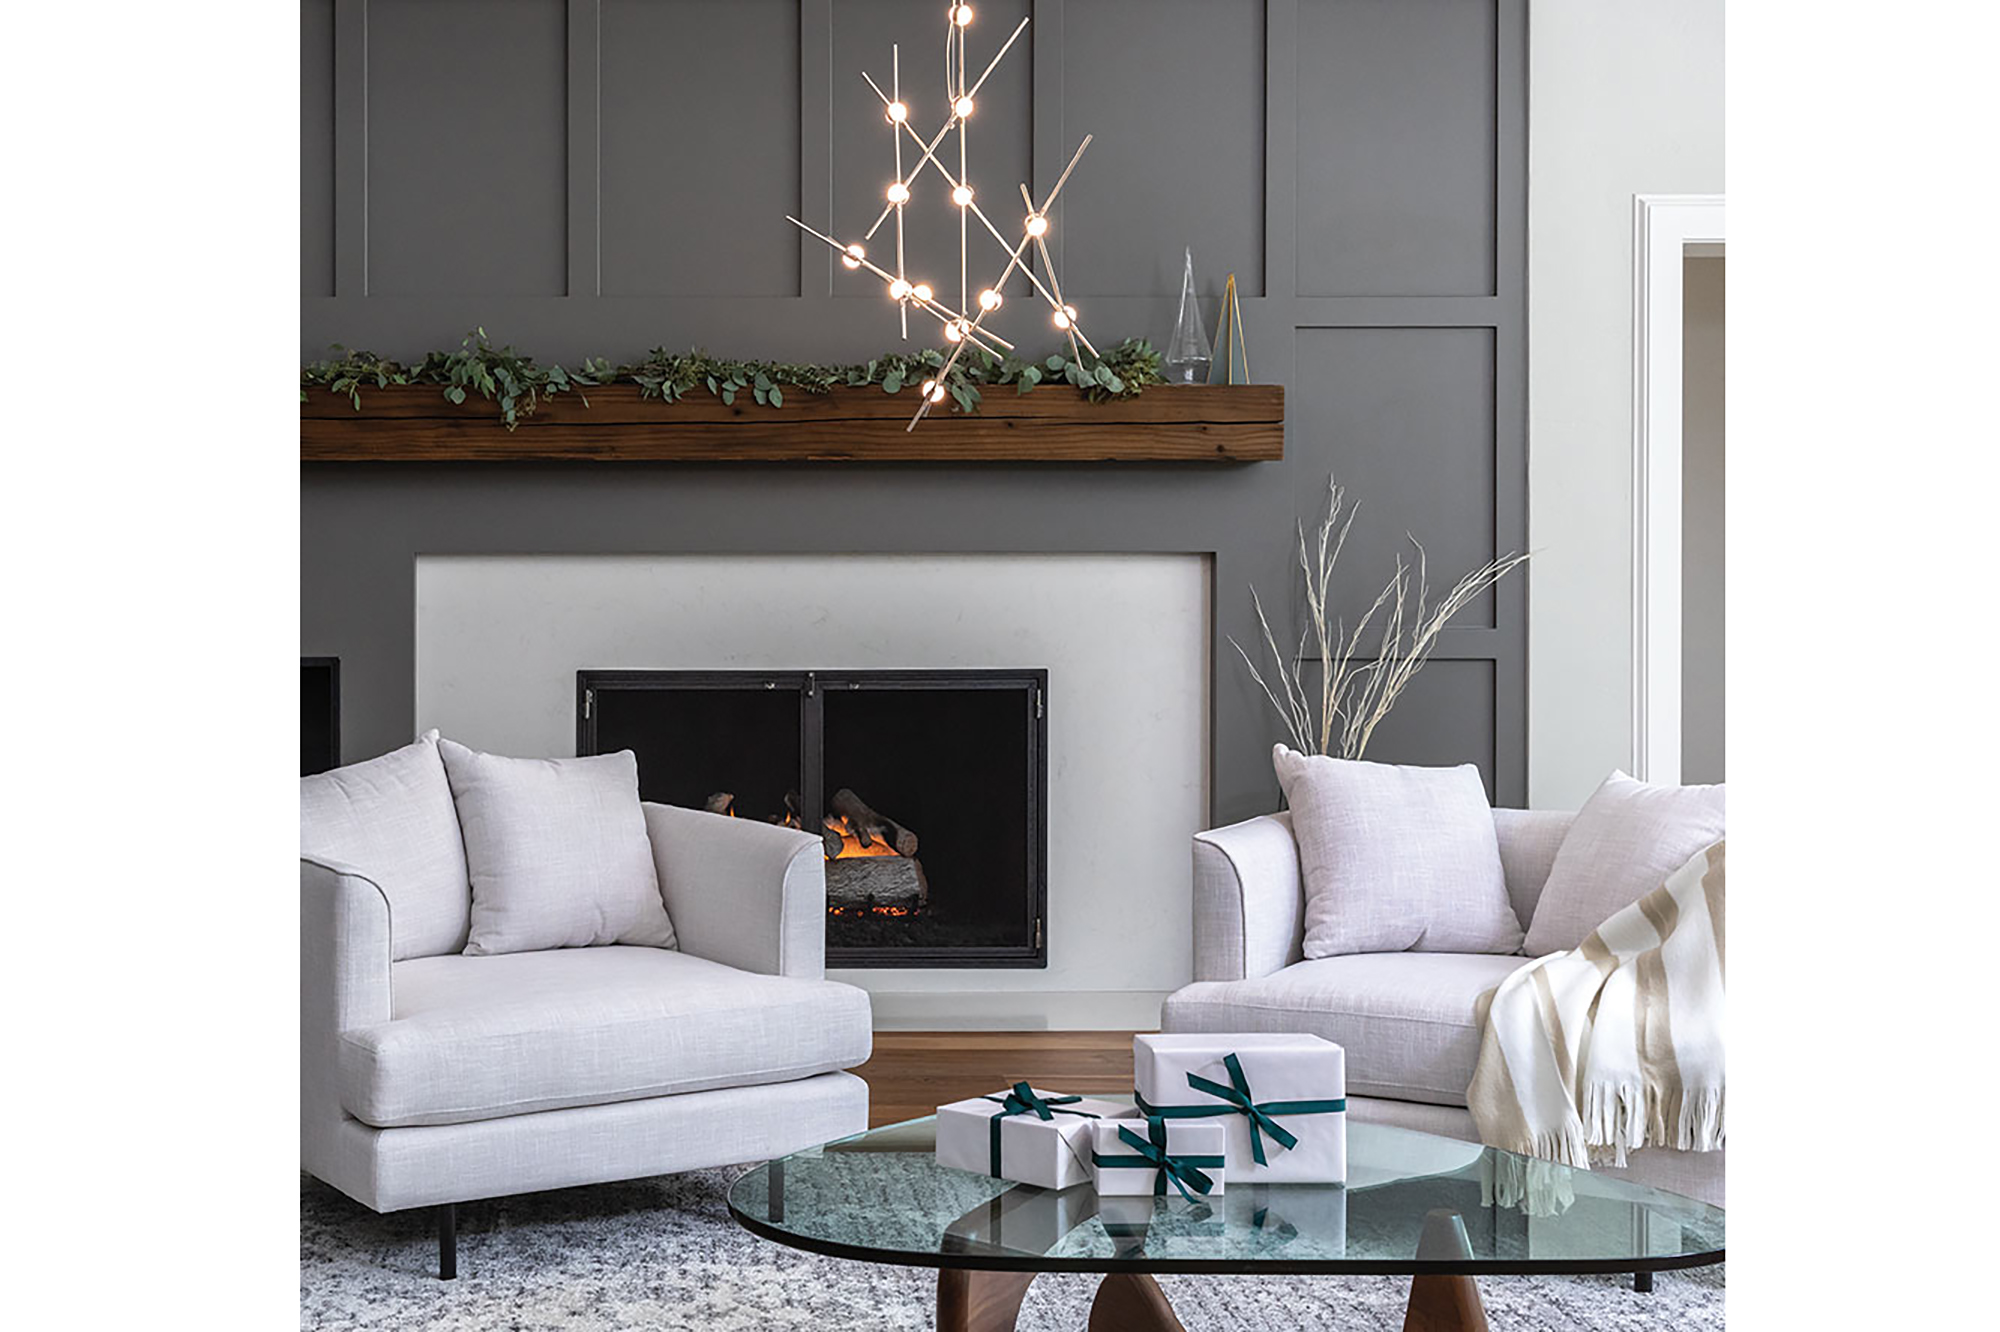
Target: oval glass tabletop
{"type": "Point", "coordinates": [1414, 1203]}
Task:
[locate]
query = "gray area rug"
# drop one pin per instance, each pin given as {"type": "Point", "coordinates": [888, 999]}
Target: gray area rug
{"type": "Point", "coordinates": [664, 1253]}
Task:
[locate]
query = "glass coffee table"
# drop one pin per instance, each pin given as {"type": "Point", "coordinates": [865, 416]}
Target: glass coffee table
{"type": "Point", "coordinates": [1440, 1211]}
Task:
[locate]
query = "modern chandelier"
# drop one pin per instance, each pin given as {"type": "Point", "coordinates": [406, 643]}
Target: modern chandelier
{"type": "Point", "coordinates": [963, 325]}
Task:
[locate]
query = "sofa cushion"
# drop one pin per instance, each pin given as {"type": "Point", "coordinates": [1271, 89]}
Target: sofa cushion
{"type": "Point", "coordinates": [1408, 1021]}
{"type": "Point", "coordinates": [392, 819]}
{"type": "Point", "coordinates": [1625, 841]}
{"type": "Point", "coordinates": [1396, 857]}
{"type": "Point", "coordinates": [481, 1037]}
{"type": "Point", "coordinates": [557, 852]}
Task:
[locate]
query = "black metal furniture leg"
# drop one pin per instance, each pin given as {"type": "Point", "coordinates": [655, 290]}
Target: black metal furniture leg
{"type": "Point", "coordinates": [1643, 1282]}
{"type": "Point", "coordinates": [447, 1227]}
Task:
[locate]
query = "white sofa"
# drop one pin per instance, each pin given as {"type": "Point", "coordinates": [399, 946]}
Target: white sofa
{"type": "Point", "coordinates": [1406, 1020]}
{"type": "Point", "coordinates": [434, 1080]}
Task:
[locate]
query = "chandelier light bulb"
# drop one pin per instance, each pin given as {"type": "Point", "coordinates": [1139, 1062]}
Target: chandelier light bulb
{"type": "Point", "coordinates": [898, 290]}
{"type": "Point", "coordinates": [962, 108]}
{"type": "Point", "coordinates": [961, 15]}
{"type": "Point", "coordinates": [962, 195]}
{"type": "Point", "coordinates": [898, 113]}
{"type": "Point", "coordinates": [933, 390]}
{"type": "Point", "coordinates": [855, 254]}
{"type": "Point", "coordinates": [1037, 225]}
{"type": "Point", "coordinates": [954, 331]}
{"type": "Point", "coordinates": [989, 299]}
{"type": "Point", "coordinates": [899, 193]}
{"type": "Point", "coordinates": [1062, 319]}
{"type": "Point", "coordinates": [922, 291]}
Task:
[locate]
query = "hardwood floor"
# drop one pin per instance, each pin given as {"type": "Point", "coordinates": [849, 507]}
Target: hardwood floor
{"type": "Point", "coordinates": [912, 1073]}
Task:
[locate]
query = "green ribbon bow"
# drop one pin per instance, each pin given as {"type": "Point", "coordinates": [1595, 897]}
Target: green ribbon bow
{"type": "Point", "coordinates": [1184, 1171]}
{"type": "Point", "coordinates": [1021, 1101]}
{"type": "Point", "coordinates": [1238, 1101]}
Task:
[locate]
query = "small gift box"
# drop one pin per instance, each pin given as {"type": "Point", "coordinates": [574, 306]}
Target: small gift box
{"type": "Point", "coordinates": [1149, 1156]}
{"type": "Point", "coordinates": [1282, 1099]}
{"type": "Point", "coordinates": [1026, 1135]}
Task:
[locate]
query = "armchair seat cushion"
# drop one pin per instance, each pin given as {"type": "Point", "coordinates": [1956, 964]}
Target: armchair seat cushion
{"type": "Point", "coordinates": [1408, 1021]}
{"type": "Point", "coordinates": [475, 1038]}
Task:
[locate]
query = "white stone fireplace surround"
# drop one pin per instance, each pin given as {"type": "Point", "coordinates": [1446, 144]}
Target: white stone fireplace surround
{"type": "Point", "coordinates": [499, 640]}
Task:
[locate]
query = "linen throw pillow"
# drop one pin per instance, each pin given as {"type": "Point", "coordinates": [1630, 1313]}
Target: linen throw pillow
{"type": "Point", "coordinates": [557, 852]}
{"type": "Point", "coordinates": [1628, 837]}
{"type": "Point", "coordinates": [1396, 858]}
{"type": "Point", "coordinates": [392, 819]}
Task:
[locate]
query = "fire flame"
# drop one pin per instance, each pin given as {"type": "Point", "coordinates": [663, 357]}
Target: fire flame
{"type": "Point", "coordinates": [851, 843]}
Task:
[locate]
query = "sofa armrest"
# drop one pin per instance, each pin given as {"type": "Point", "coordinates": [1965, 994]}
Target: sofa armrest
{"type": "Point", "coordinates": [747, 894]}
{"type": "Point", "coordinates": [1249, 900]}
{"type": "Point", "coordinates": [343, 984]}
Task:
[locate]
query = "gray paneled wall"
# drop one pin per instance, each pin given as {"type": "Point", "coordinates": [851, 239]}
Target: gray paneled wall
{"type": "Point", "coordinates": [596, 177]}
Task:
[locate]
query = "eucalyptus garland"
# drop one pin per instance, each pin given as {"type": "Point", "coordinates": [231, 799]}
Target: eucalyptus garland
{"type": "Point", "coordinates": [517, 383]}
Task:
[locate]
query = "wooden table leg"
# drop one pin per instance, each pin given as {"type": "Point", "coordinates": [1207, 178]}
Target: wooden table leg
{"type": "Point", "coordinates": [1132, 1302]}
{"type": "Point", "coordinates": [1444, 1304]}
{"type": "Point", "coordinates": [980, 1301]}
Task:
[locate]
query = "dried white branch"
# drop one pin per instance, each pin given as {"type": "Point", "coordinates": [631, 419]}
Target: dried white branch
{"type": "Point", "coordinates": [1356, 692]}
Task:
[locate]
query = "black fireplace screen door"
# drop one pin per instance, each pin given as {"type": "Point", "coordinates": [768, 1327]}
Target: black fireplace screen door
{"type": "Point", "coordinates": [927, 789]}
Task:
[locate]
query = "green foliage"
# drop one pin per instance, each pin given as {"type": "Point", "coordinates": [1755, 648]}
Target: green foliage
{"type": "Point", "coordinates": [497, 373]}
{"type": "Point", "coordinates": [518, 383]}
{"type": "Point", "coordinates": [348, 371]}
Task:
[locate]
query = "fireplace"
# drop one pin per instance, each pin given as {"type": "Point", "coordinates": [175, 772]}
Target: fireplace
{"type": "Point", "coordinates": [927, 789]}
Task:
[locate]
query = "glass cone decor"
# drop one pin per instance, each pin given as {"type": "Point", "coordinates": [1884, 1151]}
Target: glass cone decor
{"type": "Point", "coordinates": [1188, 354]}
{"type": "Point", "coordinates": [966, 323]}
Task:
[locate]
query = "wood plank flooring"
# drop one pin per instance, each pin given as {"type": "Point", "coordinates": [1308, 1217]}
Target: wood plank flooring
{"type": "Point", "coordinates": [912, 1073]}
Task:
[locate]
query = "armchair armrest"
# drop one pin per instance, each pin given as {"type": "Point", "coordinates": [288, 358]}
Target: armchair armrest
{"type": "Point", "coordinates": [343, 984]}
{"type": "Point", "coordinates": [1249, 900]}
{"type": "Point", "coordinates": [747, 894]}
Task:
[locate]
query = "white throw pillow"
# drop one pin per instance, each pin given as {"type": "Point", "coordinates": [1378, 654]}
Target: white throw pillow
{"type": "Point", "coordinates": [557, 851]}
{"type": "Point", "coordinates": [392, 819]}
{"type": "Point", "coordinates": [1625, 841]}
{"type": "Point", "coordinates": [1396, 858]}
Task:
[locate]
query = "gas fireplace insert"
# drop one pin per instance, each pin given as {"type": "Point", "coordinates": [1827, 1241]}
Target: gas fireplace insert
{"type": "Point", "coordinates": [927, 789]}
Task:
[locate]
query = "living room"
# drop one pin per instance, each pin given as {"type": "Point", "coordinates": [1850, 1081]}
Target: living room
{"type": "Point", "coordinates": [1032, 664]}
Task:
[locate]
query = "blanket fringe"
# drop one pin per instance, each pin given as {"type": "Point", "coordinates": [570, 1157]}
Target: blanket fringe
{"type": "Point", "coordinates": [1619, 1118]}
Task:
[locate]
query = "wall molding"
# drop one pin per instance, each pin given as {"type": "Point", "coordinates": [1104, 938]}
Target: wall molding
{"type": "Point", "coordinates": [1663, 227]}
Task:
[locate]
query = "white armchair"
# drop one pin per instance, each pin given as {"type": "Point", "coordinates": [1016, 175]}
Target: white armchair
{"type": "Point", "coordinates": [426, 1081]}
{"type": "Point", "coordinates": [1408, 1021]}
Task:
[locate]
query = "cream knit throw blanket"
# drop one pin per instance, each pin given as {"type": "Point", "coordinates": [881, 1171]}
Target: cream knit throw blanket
{"type": "Point", "coordinates": [1616, 1045]}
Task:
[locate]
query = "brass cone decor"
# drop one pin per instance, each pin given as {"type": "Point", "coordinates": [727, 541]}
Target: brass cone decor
{"type": "Point", "coordinates": [1231, 365]}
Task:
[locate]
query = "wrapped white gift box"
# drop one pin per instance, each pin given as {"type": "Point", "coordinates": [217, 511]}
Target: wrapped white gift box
{"type": "Point", "coordinates": [1282, 1099]}
{"type": "Point", "coordinates": [1158, 1156]}
{"type": "Point", "coordinates": [1027, 1135]}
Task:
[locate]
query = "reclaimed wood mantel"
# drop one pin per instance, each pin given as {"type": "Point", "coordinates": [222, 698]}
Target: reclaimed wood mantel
{"type": "Point", "coordinates": [414, 423]}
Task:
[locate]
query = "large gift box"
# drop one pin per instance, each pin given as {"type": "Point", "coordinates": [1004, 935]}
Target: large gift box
{"type": "Point", "coordinates": [1027, 1135]}
{"type": "Point", "coordinates": [1282, 1098]}
{"type": "Point", "coordinates": [1151, 1156]}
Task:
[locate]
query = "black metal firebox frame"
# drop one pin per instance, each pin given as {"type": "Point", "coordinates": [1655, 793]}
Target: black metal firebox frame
{"type": "Point", "coordinates": [811, 688]}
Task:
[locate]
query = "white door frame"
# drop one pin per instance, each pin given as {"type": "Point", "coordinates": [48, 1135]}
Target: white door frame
{"type": "Point", "coordinates": [1663, 227]}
